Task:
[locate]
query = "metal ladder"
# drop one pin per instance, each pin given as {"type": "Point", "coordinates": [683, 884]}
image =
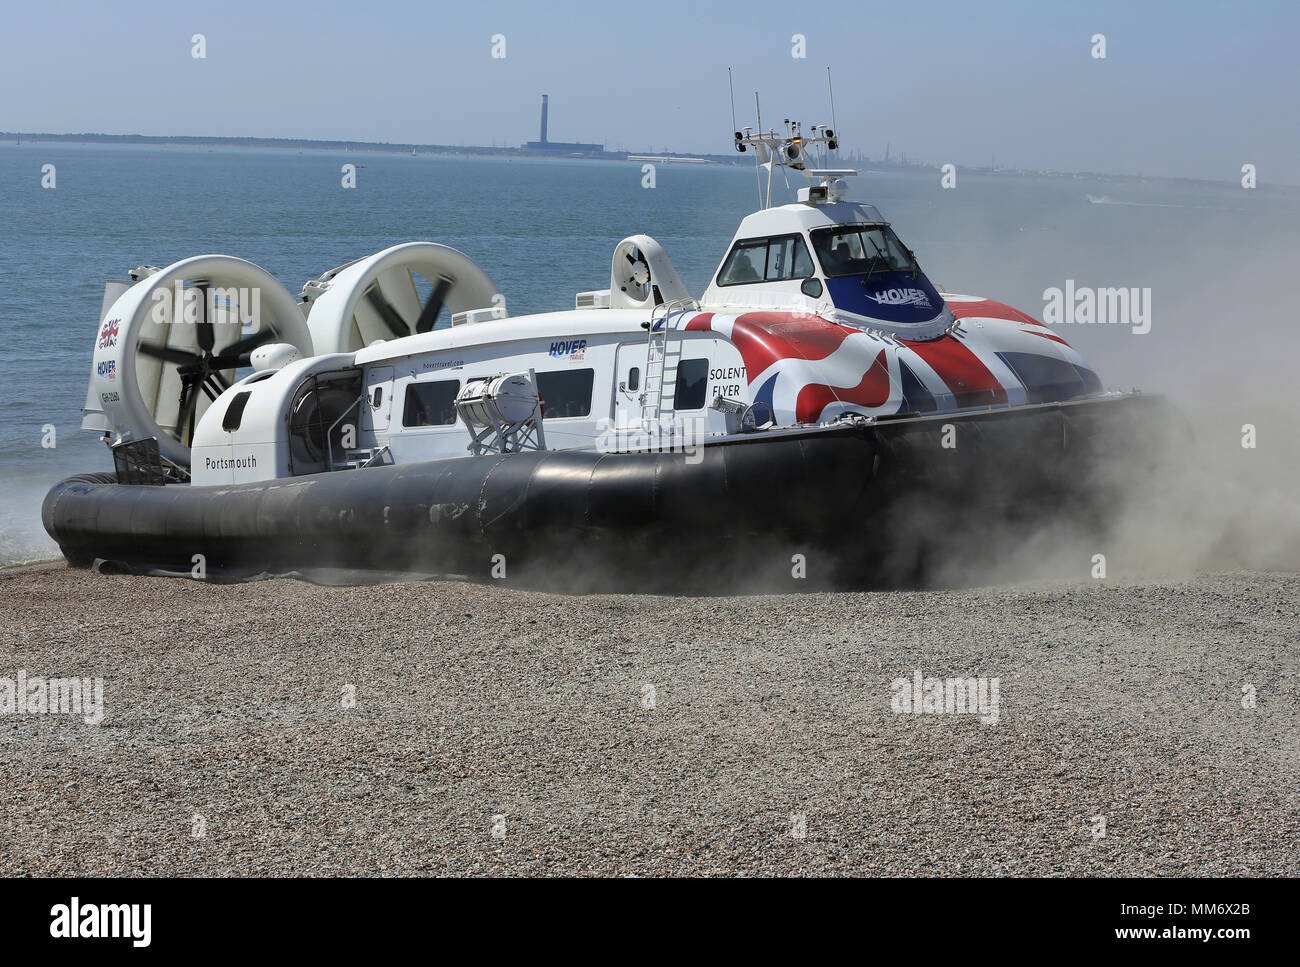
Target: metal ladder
{"type": "Point", "coordinates": [662, 356]}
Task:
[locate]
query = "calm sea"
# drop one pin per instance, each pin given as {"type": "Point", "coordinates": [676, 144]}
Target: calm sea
{"type": "Point", "coordinates": [546, 229]}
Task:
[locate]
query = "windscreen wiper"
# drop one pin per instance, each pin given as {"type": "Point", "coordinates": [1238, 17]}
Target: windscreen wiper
{"type": "Point", "coordinates": [879, 256]}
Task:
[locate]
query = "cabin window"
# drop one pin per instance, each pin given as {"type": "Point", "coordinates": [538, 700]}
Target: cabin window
{"type": "Point", "coordinates": [775, 259]}
{"type": "Point", "coordinates": [745, 263]}
{"type": "Point", "coordinates": [565, 392]}
{"type": "Point", "coordinates": [787, 258]}
{"type": "Point", "coordinates": [692, 384]}
{"type": "Point", "coordinates": [430, 403]}
{"type": "Point", "coordinates": [861, 249]}
{"type": "Point", "coordinates": [235, 412]}
{"type": "Point", "coordinates": [634, 379]}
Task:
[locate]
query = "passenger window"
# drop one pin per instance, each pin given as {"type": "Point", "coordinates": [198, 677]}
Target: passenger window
{"type": "Point", "coordinates": [566, 392]}
{"type": "Point", "coordinates": [430, 404]}
{"type": "Point", "coordinates": [745, 263]}
{"type": "Point", "coordinates": [692, 384]}
{"type": "Point", "coordinates": [803, 264]}
{"type": "Point", "coordinates": [634, 379]}
{"type": "Point", "coordinates": [787, 258]}
{"type": "Point", "coordinates": [776, 259]}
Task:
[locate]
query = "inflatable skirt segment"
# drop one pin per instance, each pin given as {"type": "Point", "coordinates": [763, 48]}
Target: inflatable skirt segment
{"type": "Point", "coordinates": [864, 503]}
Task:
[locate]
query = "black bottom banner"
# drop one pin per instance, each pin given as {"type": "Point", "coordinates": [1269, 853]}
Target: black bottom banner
{"type": "Point", "coordinates": [1225, 917]}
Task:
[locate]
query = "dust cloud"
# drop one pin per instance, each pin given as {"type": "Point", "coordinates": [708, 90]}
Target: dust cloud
{"type": "Point", "coordinates": [1223, 350]}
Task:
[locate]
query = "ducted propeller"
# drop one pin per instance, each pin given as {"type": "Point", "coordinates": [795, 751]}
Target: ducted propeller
{"type": "Point", "coordinates": [159, 358]}
{"type": "Point", "coordinates": [204, 370]}
{"type": "Point", "coordinates": [398, 292]}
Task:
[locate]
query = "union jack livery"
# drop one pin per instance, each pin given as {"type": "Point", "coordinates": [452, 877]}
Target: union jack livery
{"type": "Point", "coordinates": [108, 334]}
{"type": "Point", "coordinates": [808, 370]}
{"type": "Point", "coordinates": [820, 376]}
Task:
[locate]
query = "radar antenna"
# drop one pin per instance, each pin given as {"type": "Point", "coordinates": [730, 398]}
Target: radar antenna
{"type": "Point", "coordinates": [791, 150]}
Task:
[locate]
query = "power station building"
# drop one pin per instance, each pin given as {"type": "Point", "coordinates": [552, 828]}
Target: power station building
{"type": "Point", "coordinates": [561, 147]}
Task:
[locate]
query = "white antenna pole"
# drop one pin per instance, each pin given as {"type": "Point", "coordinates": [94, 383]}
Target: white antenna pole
{"type": "Point", "coordinates": [831, 88]}
{"type": "Point", "coordinates": [732, 88]}
{"type": "Point", "coordinates": [758, 115]}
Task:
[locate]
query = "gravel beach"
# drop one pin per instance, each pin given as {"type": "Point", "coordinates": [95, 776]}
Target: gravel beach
{"type": "Point", "coordinates": [448, 728]}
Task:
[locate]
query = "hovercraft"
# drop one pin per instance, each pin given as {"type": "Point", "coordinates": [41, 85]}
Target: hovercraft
{"type": "Point", "coordinates": [820, 403]}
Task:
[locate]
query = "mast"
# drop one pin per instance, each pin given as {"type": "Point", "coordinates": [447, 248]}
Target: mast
{"type": "Point", "coordinates": [791, 150]}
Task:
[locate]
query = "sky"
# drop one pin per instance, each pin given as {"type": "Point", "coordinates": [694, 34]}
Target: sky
{"type": "Point", "coordinates": [1187, 89]}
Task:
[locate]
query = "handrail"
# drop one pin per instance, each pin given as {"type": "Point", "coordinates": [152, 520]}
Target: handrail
{"type": "Point", "coordinates": [656, 375]}
{"type": "Point", "coordinates": [677, 305]}
{"type": "Point", "coordinates": [377, 457]}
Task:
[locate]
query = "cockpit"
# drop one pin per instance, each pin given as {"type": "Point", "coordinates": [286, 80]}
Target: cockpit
{"type": "Point", "coordinates": [861, 250]}
{"type": "Point", "coordinates": [841, 260]}
{"type": "Point", "coordinates": [842, 251]}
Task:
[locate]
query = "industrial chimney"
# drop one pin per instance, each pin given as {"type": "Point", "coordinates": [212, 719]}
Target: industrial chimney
{"type": "Point", "coordinates": [545, 98]}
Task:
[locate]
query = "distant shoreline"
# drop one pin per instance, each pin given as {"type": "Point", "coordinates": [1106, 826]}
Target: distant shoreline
{"type": "Point", "coordinates": [486, 151]}
{"type": "Point", "coordinates": [382, 147]}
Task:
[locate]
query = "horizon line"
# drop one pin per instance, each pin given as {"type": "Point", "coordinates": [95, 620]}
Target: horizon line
{"type": "Point", "coordinates": [523, 151]}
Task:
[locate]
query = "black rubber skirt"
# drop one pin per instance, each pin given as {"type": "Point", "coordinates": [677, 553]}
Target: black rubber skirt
{"type": "Point", "coordinates": [851, 504]}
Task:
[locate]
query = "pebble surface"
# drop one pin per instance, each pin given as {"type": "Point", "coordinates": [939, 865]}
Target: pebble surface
{"type": "Point", "coordinates": [503, 731]}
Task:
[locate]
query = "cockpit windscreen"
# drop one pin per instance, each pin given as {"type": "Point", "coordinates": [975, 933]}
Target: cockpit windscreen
{"type": "Point", "coordinates": [860, 250]}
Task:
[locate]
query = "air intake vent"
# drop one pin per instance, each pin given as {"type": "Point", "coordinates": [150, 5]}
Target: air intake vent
{"type": "Point", "coordinates": [478, 315]}
{"type": "Point", "coordinates": [596, 299]}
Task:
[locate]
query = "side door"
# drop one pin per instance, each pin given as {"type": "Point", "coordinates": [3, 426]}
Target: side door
{"type": "Point", "coordinates": [377, 407]}
{"type": "Point", "coordinates": [629, 383]}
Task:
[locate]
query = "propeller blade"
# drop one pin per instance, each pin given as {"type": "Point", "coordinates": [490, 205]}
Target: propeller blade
{"type": "Point", "coordinates": [169, 355]}
{"type": "Point", "coordinates": [194, 407]}
{"type": "Point", "coordinates": [207, 332]}
{"type": "Point", "coordinates": [392, 319]}
{"type": "Point", "coordinates": [429, 314]}
{"type": "Point", "coordinates": [237, 354]}
{"type": "Point", "coordinates": [189, 403]}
